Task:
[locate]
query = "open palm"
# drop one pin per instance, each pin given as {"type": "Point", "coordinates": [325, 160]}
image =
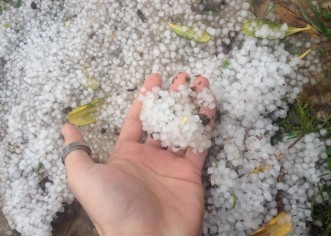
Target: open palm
{"type": "Point", "coordinates": [143, 189]}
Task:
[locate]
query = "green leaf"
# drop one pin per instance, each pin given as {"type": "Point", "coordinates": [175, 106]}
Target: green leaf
{"type": "Point", "coordinates": [39, 166]}
{"type": "Point", "coordinates": [233, 200]}
{"type": "Point", "coordinates": [189, 33]}
{"type": "Point", "coordinates": [6, 25]}
{"type": "Point", "coordinates": [226, 63]}
{"type": "Point", "coordinates": [85, 114]}
{"type": "Point", "coordinates": [259, 28]}
{"type": "Point", "coordinates": [324, 174]}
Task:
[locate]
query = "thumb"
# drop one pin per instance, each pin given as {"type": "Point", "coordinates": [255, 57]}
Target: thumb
{"type": "Point", "coordinates": [77, 162]}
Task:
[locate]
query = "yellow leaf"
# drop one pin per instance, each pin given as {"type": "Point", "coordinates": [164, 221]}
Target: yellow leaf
{"type": "Point", "coordinates": [189, 33]}
{"type": "Point", "coordinates": [85, 114]}
{"type": "Point", "coordinates": [281, 225]}
{"type": "Point", "coordinates": [260, 169]}
{"type": "Point", "coordinates": [68, 23]}
{"type": "Point", "coordinates": [112, 37]}
{"type": "Point", "coordinates": [5, 26]}
{"type": "Point", "coordinates": [270, 30]}
{"type": "Point", "coordinates": [184, 121]}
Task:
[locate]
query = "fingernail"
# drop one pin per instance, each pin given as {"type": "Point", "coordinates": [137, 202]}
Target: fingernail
{"type": "Point", "coordinates": [200, 82]}
{"type": "Point", "coordinates": [180, 79]}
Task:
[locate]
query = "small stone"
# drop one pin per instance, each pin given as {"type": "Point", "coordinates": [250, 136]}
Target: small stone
{"type": "Point", "coordinates": [132, 89]}
{"type": "Point", "coordinates": [34, 5]}
{"type": "Point", "coordinates": [67, 110]}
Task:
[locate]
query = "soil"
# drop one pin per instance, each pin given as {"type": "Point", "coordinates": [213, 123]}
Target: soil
{"type": "Point", "coordinates": [4, 227]}
{"type": "Point", "coordinates": [73, 222]}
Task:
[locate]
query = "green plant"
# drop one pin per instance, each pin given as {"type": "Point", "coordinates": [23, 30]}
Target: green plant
{"type": "Point", "coordinates": [300, 120]}
{"type": "Point", "coordinates": [321, 209]}
{"type": "Point", "coordinates": [328, 160]}
{"type": "Point", "coordinates": [4, 4]}
{"type": "Point", "coordinates": [321, 16]}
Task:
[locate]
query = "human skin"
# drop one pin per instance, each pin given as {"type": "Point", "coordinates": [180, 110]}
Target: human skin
{"type": "Point", "coordinates": [142, 189]}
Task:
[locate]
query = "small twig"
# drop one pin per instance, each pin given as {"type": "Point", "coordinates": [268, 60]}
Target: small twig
{"type": "Point", "coordinates": [141, 16]}
{"type": "Point", "coordinates": [295, 142]}
{"type": "Point", "coordinates": [303, 55]}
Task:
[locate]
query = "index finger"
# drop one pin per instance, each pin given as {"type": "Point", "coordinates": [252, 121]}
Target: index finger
{"type": "Point", "coordinates": [77, 162]}
{"type": "Point", "coordinates": [132, 127]}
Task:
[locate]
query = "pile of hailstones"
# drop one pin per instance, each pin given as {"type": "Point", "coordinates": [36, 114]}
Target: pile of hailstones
{"type": "Point", "coordinates": [173, 117]}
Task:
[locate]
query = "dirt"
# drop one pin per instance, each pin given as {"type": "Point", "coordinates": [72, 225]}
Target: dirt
{"type": "Point", "coordinates": [4, 227]}
{"type": "Point", "coordinates": [73, 222]}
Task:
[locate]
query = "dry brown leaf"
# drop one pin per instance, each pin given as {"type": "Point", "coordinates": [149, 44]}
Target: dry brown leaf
{"type": "Point", "coordinates": [287, 16]}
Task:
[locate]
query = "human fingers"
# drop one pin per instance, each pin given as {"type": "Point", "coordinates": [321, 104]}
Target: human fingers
{"type": "Point", "coordinates": [132, 127]}
{"type": "Point", "coordinates": [77, 162]}
{"type": "Point", "coordinates": [200, 83]}
{"type": "Point", "coordinates": [207, 116]}
{"type": "Point", "coordinates": [180, 79]}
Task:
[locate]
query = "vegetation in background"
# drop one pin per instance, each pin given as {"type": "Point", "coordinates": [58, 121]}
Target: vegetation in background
{"type": "Point", "coordinates": [39, 167]}
{"type": "Point", "coordinates": [6, 3]}
{"type": "Point", "coordinates": [302, 120]}
{"type": "Point", "coordinates": [319, 20]}
{"type": "Point", "coordinates": [321, 207]}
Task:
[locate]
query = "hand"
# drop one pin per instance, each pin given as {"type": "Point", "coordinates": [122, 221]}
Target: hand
{"type": "Point", "coordinates": [143, 189]}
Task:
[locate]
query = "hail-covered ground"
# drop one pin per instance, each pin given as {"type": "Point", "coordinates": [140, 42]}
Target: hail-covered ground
{"type": "Point", "coordinates": [57, 55]}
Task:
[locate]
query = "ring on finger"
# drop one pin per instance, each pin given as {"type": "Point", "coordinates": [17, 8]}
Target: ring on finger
{"type": "Point", "coordinates": [75, 146]}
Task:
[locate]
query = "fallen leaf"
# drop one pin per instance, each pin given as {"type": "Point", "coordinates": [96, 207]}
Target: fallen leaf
{"type": "Point", "coordinates": [6, 26]}
{"type": "Point", "coordinates": [189, 33]}
{"type": "Point", "coordinates": [281, 225]}
{"type": "Point", "coordinates": [111, 37]}
{"type": "Point", "coordinates": [85, 114]}
{"type": "Point", "coordinates": [260, 169]}
{"type": "Point", "coordinates": [233, 200]}
{"type": "Point", "coordinates": [267, 29]}
{"type": "Point", "coordinates": [287, 16]}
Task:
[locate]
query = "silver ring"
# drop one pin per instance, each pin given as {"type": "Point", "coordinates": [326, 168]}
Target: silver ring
{"type": "Point", "coordinates": [74, 146]}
